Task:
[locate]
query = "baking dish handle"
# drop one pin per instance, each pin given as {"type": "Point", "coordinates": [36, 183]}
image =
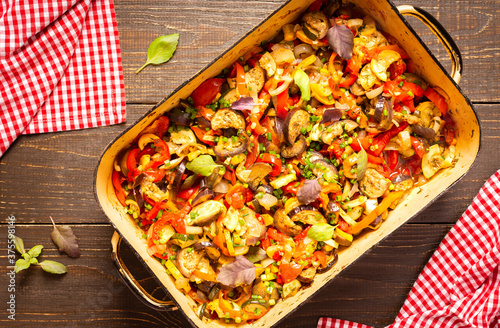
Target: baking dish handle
{"type": "Point", "coordinates": [443, 36]}
{"type": "Point", "coordinates": [130, 281]}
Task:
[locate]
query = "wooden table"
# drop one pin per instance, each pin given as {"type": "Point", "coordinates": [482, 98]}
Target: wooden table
{"type": "Point", "coordinates": [52, 175]}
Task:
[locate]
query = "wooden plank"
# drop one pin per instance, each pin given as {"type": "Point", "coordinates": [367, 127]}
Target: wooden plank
{"type": "Point", "coordinates": [370, 291]}
{"type": "Point", "coordinates": [58, 171]}
{"type": "Point", "coordinates": [208, 28]}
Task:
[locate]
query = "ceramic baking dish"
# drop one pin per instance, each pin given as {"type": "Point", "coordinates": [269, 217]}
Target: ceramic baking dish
{"type": "Point", "coordinates": [390, 19]}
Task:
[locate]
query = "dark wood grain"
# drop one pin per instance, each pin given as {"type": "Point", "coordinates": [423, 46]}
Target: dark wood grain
{"type": "Point", "coordinates": [92, 294]}
{"type": "Point", "coordinates": [52, 175]}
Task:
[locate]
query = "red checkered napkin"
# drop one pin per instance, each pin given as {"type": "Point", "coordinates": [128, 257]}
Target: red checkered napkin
{"type": "Point", "coordinates": [60, 67]}
{"type": "Point", "coordinates": [460, 286]}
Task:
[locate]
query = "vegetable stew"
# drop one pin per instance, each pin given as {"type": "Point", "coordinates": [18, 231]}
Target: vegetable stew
{"type": "Point", "coordinates": [248, 188]}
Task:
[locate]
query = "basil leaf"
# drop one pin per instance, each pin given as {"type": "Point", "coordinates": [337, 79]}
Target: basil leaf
{"type": "Point", "coordinates": [161, 50]}
{"type": "Point", "coordinates": [35, 251]}
{"type": "Point", "coordinates": [341, 39]}
{"type": "Point", "coordinates": [244, 103]}
{"type": "Point", "coordinates": [53, 267]}
{"type": "Point", "coordinates": [19, 244]}
{"type": "Point", "coordinates": [21, 264]}
{"type": "Point", "coordinates": [309, 192]}
{"type": "Point", "coordinates": [362, 164]}
{"type": "Point", "coordinates": [321, 232]}
{"type": "Point", "coordinates": [239, 272]}
{"type": "Point", "coordinates": [301, 79]}
{"type": "Point", "coordinates": [203, 165]}
{"type": "Point", "coordinates": [255, 254]}
{"type": "Point", "coordinates": [65, 239]}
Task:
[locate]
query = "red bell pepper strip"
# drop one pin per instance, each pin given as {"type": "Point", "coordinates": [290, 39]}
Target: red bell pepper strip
{"type": "Point", "coordinates": [418, 147]}
{"type": "Point", "coordinates": [156, 175]}
{"type": "Point", "coordinates": [316, 5]}
{"type": "Point", "coordinates": [188, 193]}
{"type": "Point", "coordinates": [448, 129]}
{"type": "Point", "coordinates": [348, 80]}
{"type": "Point", "coordinates": [132, 164]}
{"type": "Point", "coordinates": [274, 161]}
{"type": "Point", "coordinates": [205, 93]}
{"type": "Point", "coordinates": [292, 188]}
{"type": "Point", "coordinates": [230, 175]}
{"type": "Point", "coordinates": [253, 154]}
{"type": "Point", "coordinates": [282, 103]}
{"type": "Point", "coordinates": [392, 159]}
{"type": "Point", "coordinates": [383, 139]}
{"type": "Point", "coordinates": [164, 150]}
{"type": "Point", "coordinates": [437, 99]}
{"type": "Point", "coordinates": [201, 133]}
{"type": "Point", "coordinates": [119, 191]}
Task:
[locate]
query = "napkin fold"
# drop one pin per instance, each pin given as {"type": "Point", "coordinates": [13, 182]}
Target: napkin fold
{"type": "Point", "coordinates": [60, 67]}
{"type": "Point", "coordinates": [460, 285]}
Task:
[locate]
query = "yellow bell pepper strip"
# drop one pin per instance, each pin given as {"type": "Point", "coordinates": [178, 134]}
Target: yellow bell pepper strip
{"type": "Point", "coordinates": [231, 308]}
{"type": "Point", "coordinates": [204, 276]}
{"type": "Point", "coordinates": [306, 62]}
{"type": "Point", "coordinates": [303, 37]}
{"type": "Point", "coordinates": [229, 242]}
{"type": "Point", "coordinates": [384, 205]}
{"type": "Point", "coordinates": [240, 80]}
{"type": "Point", "coordinates": [173, 269]}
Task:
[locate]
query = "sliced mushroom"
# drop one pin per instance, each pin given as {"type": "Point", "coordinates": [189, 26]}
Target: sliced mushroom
{"type": "Point", "coordinates": [284, 224]}
{"type": "Point", "coordinates": [307, 275]}
{"type": "Point", "coordinates": [374, 184]}
{"type": "Point", "coordinates": [296, 149]}
{"type": "Point", "coordinates": [316, 25]}
{"type": "Point", "coordinates": [258, 171]}
{"type": "Point", "coordinates": [210, 249]}
{"type": "Point", "coordinates": [331, 132]}
{"type": "Point", "coordinates": [187, 260]}
{"type": "Point", "coordinates": [324, 171]}
{"type": "Point", "coordinates": [306, 214]}
{"type": "Point", "coordinates": [255, 79]}
{"type": "Point", "coordinates": [295, 120]}
{"type": "Point", "coordinates": [205, 213]}
{"type": "Point", "coordinates": [266, 292]}
{"type": "Point", "coordinates": [255, 230]}
{"type": "Point", "coordinates": [228, 118]}
{"type": "Point", "coordinates": [231, 147]}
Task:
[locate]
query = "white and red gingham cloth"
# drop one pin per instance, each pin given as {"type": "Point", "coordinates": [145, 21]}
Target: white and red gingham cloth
{"type": "Point", "coordinates": [460, 286]}
{"type": "Point", "coordinates": [60, 67]}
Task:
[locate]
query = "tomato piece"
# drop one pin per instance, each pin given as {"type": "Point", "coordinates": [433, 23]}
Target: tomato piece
{"type": "Point", "coordinates": [396, 69]}
{"type": "Point", "coordinates": [162, 127]}
{"type": "Point", "coordinates": [321, 258]}
{"type": "Point", "coordinates": [274, 161]}
{"type": "Point", "coordinates": [205, 93]}
{"type": "Point", "coordinates": [437, 99]}
{"type": "Point", "coordinates": [237, 196]}
{"type": "Point", "coordinates": [289, 271]}
{"type": "Point", "coordinates": [277, 235]}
